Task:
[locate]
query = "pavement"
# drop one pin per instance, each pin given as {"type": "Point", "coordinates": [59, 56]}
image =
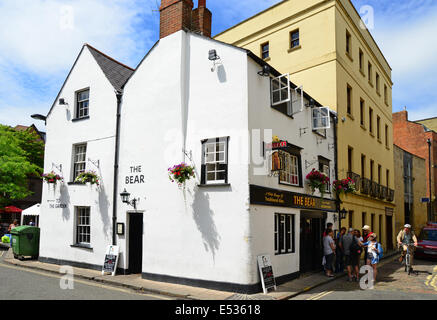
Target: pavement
{"type": "Point", "coordinates": [284, 291]}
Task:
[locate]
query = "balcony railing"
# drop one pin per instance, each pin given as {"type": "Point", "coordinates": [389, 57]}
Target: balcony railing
{"type": "Point", "coordinates": [390, 195]}
{"type": "Point", "coordinates": [373, 189]}
{"type": "Point", "coordinates": [382, 194]}
{"type": "Point", "coordinates": [365, 185]}
{"type": "Point", "coordinates": [356, 177]}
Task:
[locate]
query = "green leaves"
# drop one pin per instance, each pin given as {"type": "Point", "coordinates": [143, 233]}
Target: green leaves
{"type": "Point", "coordinates": [21, 156]}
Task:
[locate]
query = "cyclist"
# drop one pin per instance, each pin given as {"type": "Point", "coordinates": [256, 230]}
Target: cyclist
{"type": "Point", "coordinates": [406, 237]}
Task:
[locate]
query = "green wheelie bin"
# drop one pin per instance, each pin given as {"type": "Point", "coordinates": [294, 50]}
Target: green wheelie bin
{"type": "Point", "coordinates": [25, 242]}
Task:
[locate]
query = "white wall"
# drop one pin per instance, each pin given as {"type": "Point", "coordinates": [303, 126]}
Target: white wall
{"type": "Point", "coordinates": [198, 233]}
{"type": "Point", "coordinates": [263, 117]}
{"type": "Point", "coordinates": [58, 224]}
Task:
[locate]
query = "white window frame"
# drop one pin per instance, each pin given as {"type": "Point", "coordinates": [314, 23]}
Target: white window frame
{"type": "Point", "coordinates": [299, 98]}
{"type": "Point", "coordinates": [83, 225]}
{"type": "Point", "coordinates": [280, 227]}
{"type": "Point", "coordinates": [80, 162]}
{"type": "Point", "coordinates": [291, 162]}
{"type": "Point", "coordinates": [320, 116]}
{"type": "Point", "coordinates": [215, 162]}
{"type": "Point", "coordinates": [80, 109]}
{"type": "Point", "coordinates": [280, 87]}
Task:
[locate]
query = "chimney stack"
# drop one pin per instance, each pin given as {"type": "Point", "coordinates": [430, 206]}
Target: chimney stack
{"type": "Point", "coordinates": [202, 19]}
{"type": "Point", "coordinates": [175, 16]}
{"type": "Point", "coordinates": [179, 15]}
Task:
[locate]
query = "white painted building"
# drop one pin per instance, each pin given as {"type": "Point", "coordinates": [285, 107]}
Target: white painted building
{"type": "Point", "coordinates": [217, 115]}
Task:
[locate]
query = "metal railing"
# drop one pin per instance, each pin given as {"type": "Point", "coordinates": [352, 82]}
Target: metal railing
{"type": "Point", "coordinates": [365, 185]}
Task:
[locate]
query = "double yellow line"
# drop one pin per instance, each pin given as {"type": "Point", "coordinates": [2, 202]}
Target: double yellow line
{"type": "Point", "coordinates": [320, 295]}
{"type": "Point", "coordinates": [431, 281]}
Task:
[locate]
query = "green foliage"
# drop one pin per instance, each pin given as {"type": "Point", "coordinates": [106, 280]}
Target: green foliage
{"type": "Point", "coordinates": [21, 156]}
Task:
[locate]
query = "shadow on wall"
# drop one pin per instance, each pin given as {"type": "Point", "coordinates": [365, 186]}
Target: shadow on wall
{"type": "Point", "coordinates": [203, 216]}
{"type": "Point", "coordinates": [65, 199]}
{"type": "Point", "coordinates": [221, 73]}
{"type": "Point", "coordinates": [103, 207]}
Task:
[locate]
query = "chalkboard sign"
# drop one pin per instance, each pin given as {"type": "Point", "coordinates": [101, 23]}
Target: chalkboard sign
{"type": "Point", "coordinates": [266, 273]}
{"type": "Point", "coordinates": [111, 260]}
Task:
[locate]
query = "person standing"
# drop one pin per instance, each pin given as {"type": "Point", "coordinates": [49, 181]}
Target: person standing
{"type": "Point", "coordinates": [13, 225]}
{"type": "Point", "coordinates": [352, 250]}
{"type": "Point", "coordinates": [329, 251]}
{"type": "Point", "coordinates": [366, 234]}
{"type": "Point", "coordinates": [328, 227]}
{"type": "Point", "coordinates": [339, 253]}
{"type": "Point", "coordinates": [374, 250]}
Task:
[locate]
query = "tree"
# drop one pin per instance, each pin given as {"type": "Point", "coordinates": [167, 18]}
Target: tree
{"type": "Point", "coordinates": [21, 157]}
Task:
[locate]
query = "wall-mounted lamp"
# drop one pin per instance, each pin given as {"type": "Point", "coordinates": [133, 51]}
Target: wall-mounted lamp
{"type": "Point", "coordinates": [62, 102]}
{"type": "Point", "coordinates": [125, 199]}
{"type": "Point", "coordinates": [265, 72]}
{"type": "Point", "coordinates": [343, 213]}
{"type": "Point", "coordinates": [212, 56]}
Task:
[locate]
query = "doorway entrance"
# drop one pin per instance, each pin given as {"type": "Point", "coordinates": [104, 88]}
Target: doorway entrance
{"type": "Point", "coordinates": [135, 247]}
{"type": "Point", "coordinates": [389, 232]}
{"type": "Point", "coordinates": [312, 225]}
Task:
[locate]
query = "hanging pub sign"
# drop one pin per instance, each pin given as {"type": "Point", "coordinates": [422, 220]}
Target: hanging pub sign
{"type": "Point", "coordinates": [111, 260]}
{"type": "Point", "coordinates": [279, 198]}
{"type": "Point", "coordinates": [266, 273]}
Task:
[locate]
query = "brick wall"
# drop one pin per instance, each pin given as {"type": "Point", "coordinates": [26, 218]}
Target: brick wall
{"type": "Point", "coordinates": [412, 137]}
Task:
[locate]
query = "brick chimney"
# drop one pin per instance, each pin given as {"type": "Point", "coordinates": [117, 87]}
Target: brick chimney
{"type": "Point", "coordinates": [175, 16]}
{"type": "Point", "coordinates": [401, 116]}
{"type": "Point", "coordinates": [202, 19]}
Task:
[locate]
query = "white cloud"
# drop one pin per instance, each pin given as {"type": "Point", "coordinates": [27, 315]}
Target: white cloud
{"type": "Point", "coordinates": [40, 39]}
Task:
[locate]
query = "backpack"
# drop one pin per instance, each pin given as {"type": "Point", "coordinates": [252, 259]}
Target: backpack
{"type": "Point", "coordinates": [355, 247]}
{"type": "Point", "coordinates": [380, 250]}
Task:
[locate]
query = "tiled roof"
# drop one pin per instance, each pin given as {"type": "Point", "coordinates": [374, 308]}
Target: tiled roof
{"type": "Point", "coordinates": [116, 72]}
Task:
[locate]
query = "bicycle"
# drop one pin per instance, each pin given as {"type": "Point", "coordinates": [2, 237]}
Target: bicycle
{"type": "Point", "coordinates": [408, 267]}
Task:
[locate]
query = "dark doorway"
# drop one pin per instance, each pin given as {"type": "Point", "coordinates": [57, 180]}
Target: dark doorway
{"type": "Point", "coordinates": [311, 245]}
{"type": "Point", "coordinates": [135, 252]}
{"type": "Point", "coordinates": [389, 232]}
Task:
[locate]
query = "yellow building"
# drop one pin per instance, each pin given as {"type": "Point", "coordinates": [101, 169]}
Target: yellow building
{"type": "Point", "coordinates": [325, 47]}
{"type": "Point", "coordinates": [430, 123]}
{"type": "Point", "coordinates": [410, 171]}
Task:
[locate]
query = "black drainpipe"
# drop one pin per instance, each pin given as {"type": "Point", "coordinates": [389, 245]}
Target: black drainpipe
{"type": "Point", "coordinates": [336, 164]}
{"type": "Point", "coordinates": [119, 95]}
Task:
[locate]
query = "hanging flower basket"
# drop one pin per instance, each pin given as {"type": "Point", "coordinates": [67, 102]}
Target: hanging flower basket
{"type": "Point", "coordinates": [180, 173]}
{"type": "Point", "coordinates": [344, 186]}
{"type": "Point", "coordinates": [52, 177]}
{"type": "Point", "coordinates": [88, 176]}
{"type": "Point", "coordinates": [317, 180]}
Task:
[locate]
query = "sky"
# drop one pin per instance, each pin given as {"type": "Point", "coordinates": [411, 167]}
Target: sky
{"type": "Point", "coordinates": [40, 40]}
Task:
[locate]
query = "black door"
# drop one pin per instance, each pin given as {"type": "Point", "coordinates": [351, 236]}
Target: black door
{"type": "Point", "coordinates": [311, 246]}
{"type": "Point", "coordinates": [389, 232]}
{"type": "Point", "coordinates": [135, 242]}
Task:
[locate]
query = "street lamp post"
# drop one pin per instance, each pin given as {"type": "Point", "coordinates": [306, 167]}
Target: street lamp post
{"type": "Point", "coordinates": [342, 215]}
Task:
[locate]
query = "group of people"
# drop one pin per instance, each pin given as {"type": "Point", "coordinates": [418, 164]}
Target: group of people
{"type": "Point", "coordinates": [346, 250]}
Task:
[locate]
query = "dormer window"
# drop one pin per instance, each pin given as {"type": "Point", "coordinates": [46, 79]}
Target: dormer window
{"type": "Point", "coordinates": [82, 104]}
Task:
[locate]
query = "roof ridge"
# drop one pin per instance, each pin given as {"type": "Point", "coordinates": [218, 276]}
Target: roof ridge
{"type": "Point", "coordinates": [108, 57]}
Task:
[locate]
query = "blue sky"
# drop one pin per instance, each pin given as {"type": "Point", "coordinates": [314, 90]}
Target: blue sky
{"type": "Point", "coordinates": [40, 39]}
